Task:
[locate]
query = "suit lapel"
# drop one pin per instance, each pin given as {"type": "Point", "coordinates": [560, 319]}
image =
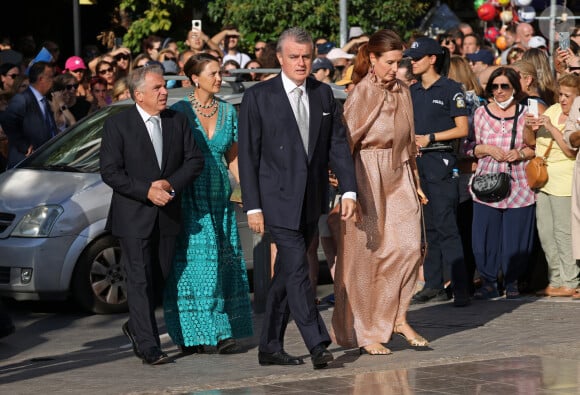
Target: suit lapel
{"type": "Point", "coordinates": [143, 133]}
{"type": "Point", "coordinates": [167, 139]}
{"type": "Point", "coordinates": [315, 117]}
{"type": "Point", "coordinates": [288, 116]}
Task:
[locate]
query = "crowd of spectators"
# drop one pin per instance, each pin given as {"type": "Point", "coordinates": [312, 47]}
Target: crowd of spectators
{"type": "Point", "coordinates": [83, 84]}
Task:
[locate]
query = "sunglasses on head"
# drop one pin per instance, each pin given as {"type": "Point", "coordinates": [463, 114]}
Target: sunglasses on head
{"type": "Point", "coordinates": [504, 87]}
{"type": "Point", "coordinates": [70, 87]}
{"type": "Point", "coordinates": [122, 56]}
{"type": "Point", "coordinates": [105, 71]}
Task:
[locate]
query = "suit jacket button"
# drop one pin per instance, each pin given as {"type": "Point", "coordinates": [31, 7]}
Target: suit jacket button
{"type": "Point", "coordinates": [281, 147]}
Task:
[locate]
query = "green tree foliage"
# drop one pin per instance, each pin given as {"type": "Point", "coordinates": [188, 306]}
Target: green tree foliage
{"type": "Point", "coordinates": [266, 19]}
{"type": "Point", "coordinates": [148, 17]}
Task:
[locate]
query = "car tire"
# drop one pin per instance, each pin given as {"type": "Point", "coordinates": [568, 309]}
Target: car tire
{"type": "Point", "coordinates": [98, 283]}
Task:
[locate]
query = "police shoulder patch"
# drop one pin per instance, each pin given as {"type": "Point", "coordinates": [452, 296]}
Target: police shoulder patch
{"type": "Point", "coordinates": [459, 100]}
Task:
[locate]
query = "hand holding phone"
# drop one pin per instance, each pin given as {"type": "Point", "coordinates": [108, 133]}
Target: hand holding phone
{"type": "Point", "coordinates": [564, 40]}
{"type": "Point", "coordinates": [533, 107]}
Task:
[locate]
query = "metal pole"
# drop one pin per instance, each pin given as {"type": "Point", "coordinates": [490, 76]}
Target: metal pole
{"type": "Point", "coordinates": [77, 27]}
{"type": "Point", "coordinates": [343, 23]}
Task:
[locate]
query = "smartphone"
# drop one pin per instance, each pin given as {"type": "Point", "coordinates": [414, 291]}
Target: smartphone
{"type": "Point", "coordinates": [533, 107]}
{"type": "Point", "coordinates": [564, 40]}
{"type": "Point", "coordinates": [196, 24]}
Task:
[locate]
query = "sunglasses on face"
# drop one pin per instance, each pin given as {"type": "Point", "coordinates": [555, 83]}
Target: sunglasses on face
{"type": "Point", "coordinates": [13, 76]}
{"type": "Point", "coordinates": [122, 56]}
{"type": "Point", "coordinates": [105, 71]}
{"type": "Point", "coordinates": [170, 58]}
{"type": "Point", "coordinates": [70, 87]}
{"type": "Point", "coordinates": [257, 49]}
{"type": "Point", "coordinates": [504, 87]}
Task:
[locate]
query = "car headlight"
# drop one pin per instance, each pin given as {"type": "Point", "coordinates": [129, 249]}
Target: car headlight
{"type": "Point", "coordinates": [38, 222]}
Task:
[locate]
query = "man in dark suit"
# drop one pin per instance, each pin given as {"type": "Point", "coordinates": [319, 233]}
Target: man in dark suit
{"type": "Point", "coordinates": [148, 156]}
{"type": "Point", "coordinates": [28, 120]}
{"type": "Point", "coordinates": [290, 131]}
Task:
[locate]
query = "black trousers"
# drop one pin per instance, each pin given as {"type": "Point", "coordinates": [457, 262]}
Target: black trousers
{"type": "Point", "coordinates": [444, 259]}
{"type": "Point", "coordinates": [139, 258]}
{"type": "Point", "coordinates": [290, 292]}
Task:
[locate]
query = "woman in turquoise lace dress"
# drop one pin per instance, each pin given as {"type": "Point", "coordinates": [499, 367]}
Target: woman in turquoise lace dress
{"type": "Point", "coordinates": [207, 300]}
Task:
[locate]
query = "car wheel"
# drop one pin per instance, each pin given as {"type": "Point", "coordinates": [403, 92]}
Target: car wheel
{"type": "Point", "coordinates": [99, 280]}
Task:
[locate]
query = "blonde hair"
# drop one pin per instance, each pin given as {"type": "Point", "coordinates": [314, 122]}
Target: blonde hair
{"type": "Point", "coordinates": [121, 86]}
{"type": "Point", "coordinates": [460, 71]}
{"type": "Point", "coordinates": [547, 85]}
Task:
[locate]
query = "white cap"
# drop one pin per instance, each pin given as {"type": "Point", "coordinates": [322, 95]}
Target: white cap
{"type": "Point", "coordinates": [537, 42]}
{"type": "Point", "coordinates": [355, 31]}
{"type": "Point", "coordinates": [337, 53]}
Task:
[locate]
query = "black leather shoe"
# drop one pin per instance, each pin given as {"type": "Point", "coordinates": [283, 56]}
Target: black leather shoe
{"type": "Point", "coordinates": [154, 356]}
{"type": "Point", "coordinates": [228, 346]}
{"type": "Point", "coordinates": [320, 356]}
{"type": "Point", "coordinates": [128, 333]}
{"type": "Point", "coordinates": [430, 294]}
{"type": "Point", "coordinates": [278, 358]}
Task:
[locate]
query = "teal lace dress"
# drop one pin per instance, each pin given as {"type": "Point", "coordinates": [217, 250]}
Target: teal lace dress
{"type": "Point", "coordinates": [206, 297]}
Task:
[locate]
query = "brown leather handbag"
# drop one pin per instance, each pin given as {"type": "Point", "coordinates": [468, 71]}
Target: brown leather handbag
{"type": "Point", "coordinates": [537, 169]}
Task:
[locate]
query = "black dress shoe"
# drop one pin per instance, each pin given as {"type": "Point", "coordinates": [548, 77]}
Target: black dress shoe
{"type": "Point", "coordinates": [278, 358]}
{"type": "Point", "coordinates": [128, 333]}
{"type": "Point", "coordinates": [154, 356]}
{"type": "Point", "coordinates": [228, 346]}
{"type": "Point", "coordinates": [430, 294]}
{"type": "Point", "coordinates": [320, 356]}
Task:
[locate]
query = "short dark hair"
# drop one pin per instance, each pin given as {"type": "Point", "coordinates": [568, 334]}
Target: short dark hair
{"type": "Point", "coordinates": [36, 70]}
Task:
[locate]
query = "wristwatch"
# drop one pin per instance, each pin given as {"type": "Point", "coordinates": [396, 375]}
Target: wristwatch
{"type": "Point", "coordinates": [431, 138]}
{"type": "Point", "coordinates": [63, 108]}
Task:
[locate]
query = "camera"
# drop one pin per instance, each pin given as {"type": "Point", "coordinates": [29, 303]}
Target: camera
{"type": "Point", "coordinates": [196, 24]}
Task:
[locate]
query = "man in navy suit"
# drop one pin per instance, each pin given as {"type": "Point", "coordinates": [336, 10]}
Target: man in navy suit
{"type": "Point", "coordinates": [28, 120]}
{"type": "Point", "coordinates": [148, 156]}
{"type": "Point", "coordinates": [287, 140]}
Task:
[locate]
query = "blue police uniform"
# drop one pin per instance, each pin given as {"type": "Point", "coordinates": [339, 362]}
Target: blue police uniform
{"type": "Point", "coordinates": [434, 111]}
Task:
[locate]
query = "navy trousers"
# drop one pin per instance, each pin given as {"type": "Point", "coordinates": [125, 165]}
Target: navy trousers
{"type": "Point", "coordinates": [502, 239]}
{"type": "Point", "coordinates": [290, 292]}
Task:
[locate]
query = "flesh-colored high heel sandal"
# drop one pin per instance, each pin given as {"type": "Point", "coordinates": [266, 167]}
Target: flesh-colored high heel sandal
{"type": "Point", "coordinates": [375, 349]}
{"type": "Point", "coordinates": [418, 341]}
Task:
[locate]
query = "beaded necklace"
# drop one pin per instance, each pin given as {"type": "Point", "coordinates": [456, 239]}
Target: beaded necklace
{"type": "Point", "coordinates": [199, 107]}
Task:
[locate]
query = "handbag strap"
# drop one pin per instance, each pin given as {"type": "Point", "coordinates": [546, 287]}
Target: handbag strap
{"type": "Point", "coordinates": [514, 132]}
{"type": "Point", "coordinates": [547, 153]}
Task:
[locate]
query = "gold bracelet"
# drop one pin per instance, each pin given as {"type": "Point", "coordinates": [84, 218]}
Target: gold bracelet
{"type": "Point", "coordinates": [522, 155]}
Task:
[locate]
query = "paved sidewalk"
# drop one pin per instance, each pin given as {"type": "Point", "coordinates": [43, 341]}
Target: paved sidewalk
{"type": "Point", "coordinates": [494, 335]}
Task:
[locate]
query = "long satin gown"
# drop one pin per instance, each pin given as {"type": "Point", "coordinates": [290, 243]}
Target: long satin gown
{"type": "Point", "coordinates": [378, 257]}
